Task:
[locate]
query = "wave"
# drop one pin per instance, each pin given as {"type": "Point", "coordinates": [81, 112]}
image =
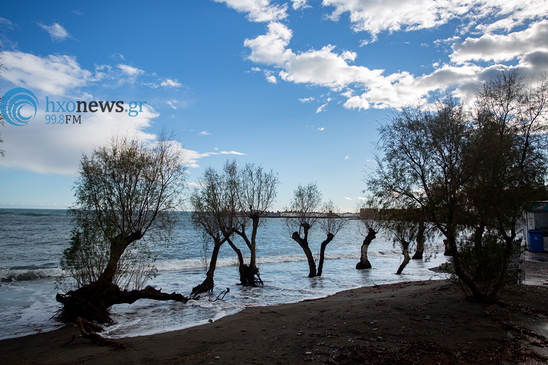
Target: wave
{"type": "Point", "coordinates": [201, 264]}
{"type": "Point", "coordinates": [22, 274]}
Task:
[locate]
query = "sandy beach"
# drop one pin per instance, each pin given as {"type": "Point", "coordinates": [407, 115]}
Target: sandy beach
{"type": "Point", "coordinates": [428, 322]}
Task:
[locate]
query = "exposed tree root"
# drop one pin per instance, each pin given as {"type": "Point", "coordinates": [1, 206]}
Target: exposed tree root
{"type": "Point", "coordinates": [91, 304]}
{"type": "Point", "coordinates": [89, 331]}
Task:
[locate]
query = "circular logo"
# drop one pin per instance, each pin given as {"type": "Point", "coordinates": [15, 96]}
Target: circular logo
{"type": "Point", "coordinates": [14, 101]}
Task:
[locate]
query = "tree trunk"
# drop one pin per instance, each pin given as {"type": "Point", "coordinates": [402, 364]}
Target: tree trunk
{"type": "Point", "coordinates": [249, 275]}
{"type": "Point", "coordinates": [208, 284]}
{"type": "Point", "coordinates": [448, 248]}
{"type": "Point", "coordinates": [304, 245]}
{"type": "Point", "coordinates": [322, 252]}
{"type": "Point", "coordinates": [117, 248]}
{"type": "Point", "coordinates": [420, 242]}
{"type": "Point", "coordinates": [406, 258]}
{"type": "Point", "coordinates": [364, 261]}
{"type": "Point", "coordinates": [457, 265]}
{"type": "Point", "coordinates": [242, 267]}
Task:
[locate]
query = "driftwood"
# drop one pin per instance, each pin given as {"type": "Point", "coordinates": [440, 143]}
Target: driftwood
{"type": "Point", "coordinates": [89, 331]}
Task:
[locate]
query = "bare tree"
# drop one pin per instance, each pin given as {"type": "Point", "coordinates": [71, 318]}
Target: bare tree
{"type": "Point", "coordinates": [257, 193]}
{"type": "Point", "coordinates": [126, 190]}
{"type": "Point", "coordinates": [330, 224]}
{"type": "Point", "coordinates": [306, 211]}
{"type": "Point", "coordinates": [214, 208]}
{"type": "Point", "coordinates": [227, 204]}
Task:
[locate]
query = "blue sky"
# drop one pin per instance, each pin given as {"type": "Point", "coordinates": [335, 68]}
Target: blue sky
{"type": "Point", "coordinates": [299, 87]}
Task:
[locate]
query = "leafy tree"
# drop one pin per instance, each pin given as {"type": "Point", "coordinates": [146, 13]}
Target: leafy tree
{"type": "Point", "coordinates": [126, 190]}
{"type": "Point", "coordinates": [435, 161]}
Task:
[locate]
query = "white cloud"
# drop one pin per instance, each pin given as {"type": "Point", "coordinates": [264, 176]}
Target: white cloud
{"type": "Point", "coordinates": [270, 49]}
{"type": "Point", "coordinates": [365, 88]}
{"type": "Point", "coordinates": [392, 15]}
{"type": "Point", "coordinates": [170, 83]}
{"type": "Point", "coordinates": [25, 146]}
{"type": "Point", "coordinates": [56, 31]}
{"type": "Point", "coordinates": [52, 74]}
{"type": "Point", "coordinates": [300, 4]}
{"type": "Point", "coordinates": [495, 47]}
{"type": "Point", "coordinates": [347, 158]}
{"type": "Point", "coordinates": [258, 10]}
{"type": "Point", "coordinates": [321, 128]}
{"type": "Point", "coordinates": [172, 103]}
{"type": "Point", "coordinates": [320, 109]}
{"type": "Point", "coordinates": [204, 133]}
{"type": "Point", "coordinates": [347, 198]}
{"type": "Point", "coordinates": [130, 70]}
{"type": "Point", "coordinates": [5, 21]}
{"type": "Point", "coordinates": [374, 16]}
{"type": "Point", "coordinates": [232, 153]}
{"type": "Point", "coordinates": [306, 100]}
{"type": "Point", "coordinates": [192, 157]}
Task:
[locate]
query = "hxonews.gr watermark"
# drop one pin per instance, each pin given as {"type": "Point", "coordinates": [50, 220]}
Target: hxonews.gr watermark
{"type": "Point", "coordinates": [19, 106]}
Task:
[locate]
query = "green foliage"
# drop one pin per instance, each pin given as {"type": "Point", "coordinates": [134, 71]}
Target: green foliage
{"type": "Point", "coordinates": [471, 172]}
{"type": "Point", "coordinates": [485, 263]}
{"type": "Point", "coordinates": [127, 192]}
{"type": "Point", "coordinates": [87, 256]}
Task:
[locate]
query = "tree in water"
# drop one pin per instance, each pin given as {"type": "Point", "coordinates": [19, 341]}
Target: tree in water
{"type": "Point", "coordinates": [369, 227]}
{"type": "Point", "coordinates": [214, 213]}
{"type": "Point", "coordinates": [331, 223]}
{"type": "Point", "coordinates": [256, 194]}
{"type": "Point", "coordinates": [127, 190]}
{"type": "Point", "coordinates": [402, 229]}
{"type": "Point", "coordinates": [306, 210]}
{"type": "Point", "coordinates": [225, 206]}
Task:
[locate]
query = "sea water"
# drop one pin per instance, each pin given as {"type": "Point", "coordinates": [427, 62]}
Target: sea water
{"type": "Point", "coordinates": [32, 241]}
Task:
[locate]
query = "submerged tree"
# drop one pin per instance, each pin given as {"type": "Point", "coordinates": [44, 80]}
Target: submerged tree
{"type": "Point", "coordinates": [304, 208]}
{"type": "Point", "coordinates": [369, 226]}
{"type": "Point", "coordinates": [331, 223]}
{"type": "Point", "coordinates": [256, 193]}
{"type": "Point", "coordinates": [126, 190]}
{"type": "Point", "coordinates": [225, 206]}
{"type": "Point", "coordinates": [306, 211]}
{"type": "Point", "coordinates": [214, 208]}
{"type": "Point", "coordinates": [436, 161]}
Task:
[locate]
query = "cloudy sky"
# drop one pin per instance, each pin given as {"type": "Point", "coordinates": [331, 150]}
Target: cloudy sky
{"type": "Point", "coordinates": [299, 87]}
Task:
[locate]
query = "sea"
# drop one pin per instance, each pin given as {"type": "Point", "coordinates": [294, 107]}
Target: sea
{"type": "Point", "coordinates": [32, 241]}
